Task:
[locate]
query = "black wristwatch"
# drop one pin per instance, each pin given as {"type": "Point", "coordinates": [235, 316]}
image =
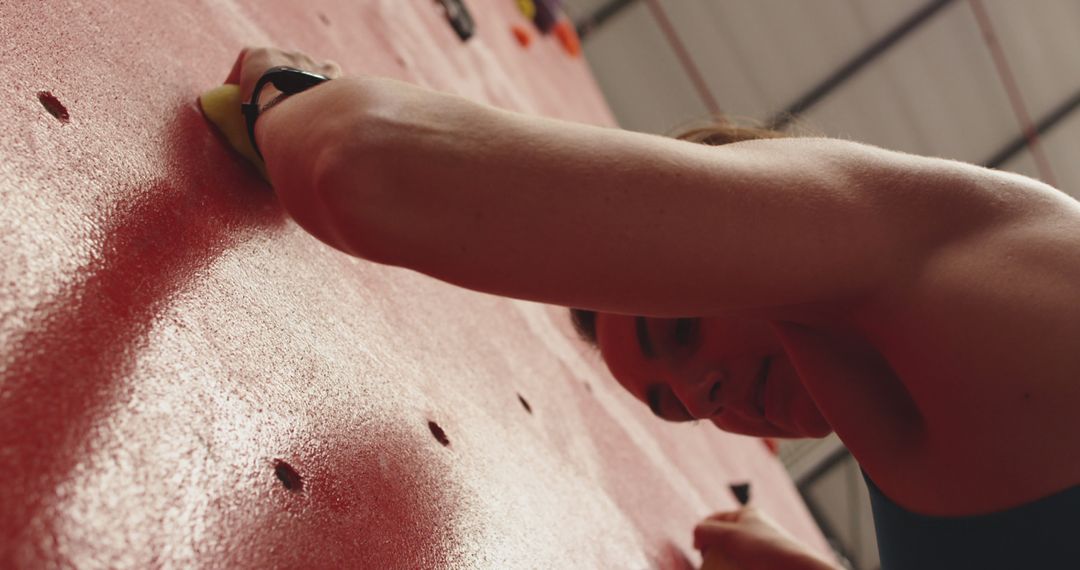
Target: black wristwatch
{"type": "Point", "coordinates": [289, 81]}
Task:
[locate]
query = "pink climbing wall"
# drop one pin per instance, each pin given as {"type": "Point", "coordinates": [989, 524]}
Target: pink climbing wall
{"type": "Point", "coordinates": [188, 379]}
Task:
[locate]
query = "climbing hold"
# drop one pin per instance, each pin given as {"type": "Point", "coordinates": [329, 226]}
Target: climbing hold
{"type": "Point", "coordinates": [459, 17]}
{"type": "Point", "coordinates": [524, 38]}
{"type": "Point", "coordinates": [221, 106]}
{"type": "Point", "coordinates": [547, 14]}
{"type": "Point", "coordinates": [568, 37]}
{"type": "Point", "coordinates": [527, 8]}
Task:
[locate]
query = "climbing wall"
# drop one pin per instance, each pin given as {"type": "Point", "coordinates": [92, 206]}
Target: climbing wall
{"type": "Point", "coordinates": [187, 379]}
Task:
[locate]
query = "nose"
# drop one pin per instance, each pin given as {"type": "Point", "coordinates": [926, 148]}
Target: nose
{"type": "Point", "coordinates": [702, 398]}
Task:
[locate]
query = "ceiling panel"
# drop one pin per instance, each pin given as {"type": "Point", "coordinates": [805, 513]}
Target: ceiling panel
{"type": "Point", "coordinates": [1022, 163]}
{"type": "Point", "coordinates": [640, 74]}
{"type": "Point", "coordinates": [1063, 152]}
{"type": "Point", "coordinates": [1042, 45]}
{"type": "Point", "coordinates": [936, 93]}
{"type": "Point", "coordinates": [1061, 149]}
{"type": "Point", "coordinates": [759, 57]}
{"type": "Point", "coordinates": [578, 9]}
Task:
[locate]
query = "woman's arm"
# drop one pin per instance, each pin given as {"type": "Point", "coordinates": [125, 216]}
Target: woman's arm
{"type": "Point", "coordinates": [612, 220]}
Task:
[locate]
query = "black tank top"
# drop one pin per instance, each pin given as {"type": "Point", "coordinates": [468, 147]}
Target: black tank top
{"type": "Point", "coordinates": [1043, 534]}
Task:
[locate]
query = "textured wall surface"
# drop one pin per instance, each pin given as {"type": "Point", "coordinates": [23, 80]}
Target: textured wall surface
{"type": "Point", "coordinates": [188, 379]}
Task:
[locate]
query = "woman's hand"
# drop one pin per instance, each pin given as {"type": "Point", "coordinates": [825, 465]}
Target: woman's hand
{"type": "Point", "coordinates": [748, 539]}
{"type": "Point", "coordinates": [254, 61]}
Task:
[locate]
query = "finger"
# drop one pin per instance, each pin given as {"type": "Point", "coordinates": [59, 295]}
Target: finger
{"type": "Point", "coordinates": [729, 516]}
{"type": "Point", "coordinates": [711, 533]}
{"type": "Point", "coordinates": [331, 69]}
{"type": "Point", "coordinates": [234, 74]}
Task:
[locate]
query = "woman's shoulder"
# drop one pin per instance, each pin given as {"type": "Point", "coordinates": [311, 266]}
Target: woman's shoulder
{"type": "Point", "coordinates": [983, 336]}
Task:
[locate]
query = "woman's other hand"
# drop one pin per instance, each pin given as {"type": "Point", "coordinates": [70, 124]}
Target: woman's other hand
{"type": "Point", "coordinates": [747, 539]}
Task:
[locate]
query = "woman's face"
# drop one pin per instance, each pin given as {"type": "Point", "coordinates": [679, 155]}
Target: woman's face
{"type": "Point", "coordinates": [733, 372]}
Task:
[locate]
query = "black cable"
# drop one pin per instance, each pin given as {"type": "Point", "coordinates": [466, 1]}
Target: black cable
{"type": "Point", "coordinates": [856, 64]}
{"type": "Point", "coordinates": [586, 25]}
{"type": "Point", "coordinates": [1055, 116]}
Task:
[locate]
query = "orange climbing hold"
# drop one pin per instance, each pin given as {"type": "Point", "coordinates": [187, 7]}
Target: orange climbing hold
{"type": "Point", "coordinates": [568, 37]}
{"type": "Point", "coordinates": [521, 33]}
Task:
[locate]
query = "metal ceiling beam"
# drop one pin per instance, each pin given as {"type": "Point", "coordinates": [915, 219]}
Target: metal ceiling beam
{"type": "Point", "coordinates": [588, 24]}
{"type": "Point", "coordinates": [1052, 119]}
{"type": "Point", "coordinates": [857, 63]}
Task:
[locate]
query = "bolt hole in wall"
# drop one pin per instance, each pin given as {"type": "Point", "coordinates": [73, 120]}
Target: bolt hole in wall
{"type": "Point", "coordinates": [53, 106]}
{"type": "Point", "coordinates": [324, 19]}
{"type": "Point", "coordinates": [524, 403]}
{"type": "Point", "coordinates": [439, 434]}
{"type": "Point", "coordinates": [288, 476]}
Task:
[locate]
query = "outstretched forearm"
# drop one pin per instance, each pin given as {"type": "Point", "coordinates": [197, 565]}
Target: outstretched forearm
{"type": "Point", "coordinates": [573, 214]}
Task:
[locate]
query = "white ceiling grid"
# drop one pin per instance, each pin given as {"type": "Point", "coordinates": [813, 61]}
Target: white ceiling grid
{"type": "Point", "coordinates": [935, 93]}
{"type": "Point", "coordinates": [640, 75]}
{"type": "Point", "coordinates": [938, 91]}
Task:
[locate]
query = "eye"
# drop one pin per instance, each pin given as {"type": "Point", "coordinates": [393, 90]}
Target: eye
{"type": "Point", "coordinates": [685, 331]}
{"type": "Point", "coordinates": [677, 339]}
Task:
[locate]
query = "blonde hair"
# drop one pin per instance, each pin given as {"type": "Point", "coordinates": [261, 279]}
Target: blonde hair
{"type": "Point", "coordinates": [721, 130]}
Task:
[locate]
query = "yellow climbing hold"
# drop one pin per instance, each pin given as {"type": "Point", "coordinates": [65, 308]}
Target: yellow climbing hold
{"type": "Point", "coordinates": [221, 106]}
{"type": "Point", "coordinates": [527, 7]}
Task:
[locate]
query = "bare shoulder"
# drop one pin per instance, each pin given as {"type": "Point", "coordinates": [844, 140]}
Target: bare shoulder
{"type": "Point", "coordinates": [982, 331]}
